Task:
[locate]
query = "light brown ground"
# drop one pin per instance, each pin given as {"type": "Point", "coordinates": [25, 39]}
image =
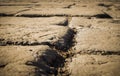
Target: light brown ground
{"type": "Point", "coordinates": [59, 38]}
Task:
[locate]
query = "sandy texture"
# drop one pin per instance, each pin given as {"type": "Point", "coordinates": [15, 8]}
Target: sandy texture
{"type": "Point", "coordinates": [59, 37]}
{"type": "Point", "coordinates": [92, 65]}
{"type": "Point", "coordinates": [96, 34]}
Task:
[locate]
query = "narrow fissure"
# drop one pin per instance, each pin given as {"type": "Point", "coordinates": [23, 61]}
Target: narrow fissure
{"type": "Point", "coordinates": [66, 53]}
{"type": "Point", "coordinates": [52, 15]}
{"type": "Point", "coordinates": [90, 52]}
{"type": "Point", "coordinates": [103, 16]}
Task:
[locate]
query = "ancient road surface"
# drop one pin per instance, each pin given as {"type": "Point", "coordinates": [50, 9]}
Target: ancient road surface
{"type": "Point", "coordinates": [59, 38]}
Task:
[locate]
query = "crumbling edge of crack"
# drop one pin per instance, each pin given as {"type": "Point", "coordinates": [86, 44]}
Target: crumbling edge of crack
{"type": "Point", "coordinates": [67, 53]}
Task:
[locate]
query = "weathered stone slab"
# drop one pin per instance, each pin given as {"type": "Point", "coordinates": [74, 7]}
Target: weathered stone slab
{"type": "Point", "coordinates": [52, 4]}
{"type": "Point", "coordinates": [80, 22]}
{"type": "Point", "coordinates": [27, 60]}
{"type": "Point", "coordinates": [96, 35]}
{"type": "Point", "coordinates": [33, 21]}
{"type": "Point", "coordinates": [16, 4]}
{"type": "Point", "coordinates": [96, 40]}
{"type": "Point", "coordinates": [11, 10]}
{"type": "Point", "coordinates": [95, 65]}
{"type": "Point", "coordinates": [78, 11]}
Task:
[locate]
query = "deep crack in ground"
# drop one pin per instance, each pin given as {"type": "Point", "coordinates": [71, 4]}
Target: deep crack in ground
{"type": "Point", "coordinates": [54, 55]}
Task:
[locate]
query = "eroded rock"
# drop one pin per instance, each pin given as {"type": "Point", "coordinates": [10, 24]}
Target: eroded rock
{"type": "Point", "coordinates": [96, 35]}
{"type": "Point", "coordinates": [95, 65]}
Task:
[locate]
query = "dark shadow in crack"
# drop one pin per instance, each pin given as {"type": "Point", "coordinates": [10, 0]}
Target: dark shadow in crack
{"type": "Point", "coordinates": [103, 16]}
{"type": "Point", "coordinates": [99, 52]}
{"type": "Point", "coordinates": [104, 5]}
{"type": "Point", "coordinates": [47, 63]}
{"type": "Point", "coordinates": [6, 15]}
{"type": "Point", "coordinates": [66, 41]}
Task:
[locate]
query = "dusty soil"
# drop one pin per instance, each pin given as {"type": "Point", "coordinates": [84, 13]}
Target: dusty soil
{"type": "Point", "coordinates": [59, 38]}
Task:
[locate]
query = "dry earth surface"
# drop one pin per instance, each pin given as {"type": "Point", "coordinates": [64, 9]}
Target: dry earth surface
{"type": "Point", "coordinates": [59, 38]}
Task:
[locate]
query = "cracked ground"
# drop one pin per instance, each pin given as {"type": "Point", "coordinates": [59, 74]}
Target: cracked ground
{"type": "Point", "coordinates": [59, 38]}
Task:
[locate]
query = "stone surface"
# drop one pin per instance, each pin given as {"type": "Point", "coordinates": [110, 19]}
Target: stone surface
{"type": "Point", "coordinates": [59, 1]}
{"type": "Point", "coordinates": [96, 35]}
{"type": "Point", "coordinates": [33, 21]}
{"type": "Point", "coordinates": [59, 37]}
{"type": "Point", "coordinates": [97, 40]}
{"type": "Point", "coordinates": [11, 10]}
{"type": "Point", "coordinates": [65, 11]}
{"type": "Point", "coordinates": [95, 65]}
